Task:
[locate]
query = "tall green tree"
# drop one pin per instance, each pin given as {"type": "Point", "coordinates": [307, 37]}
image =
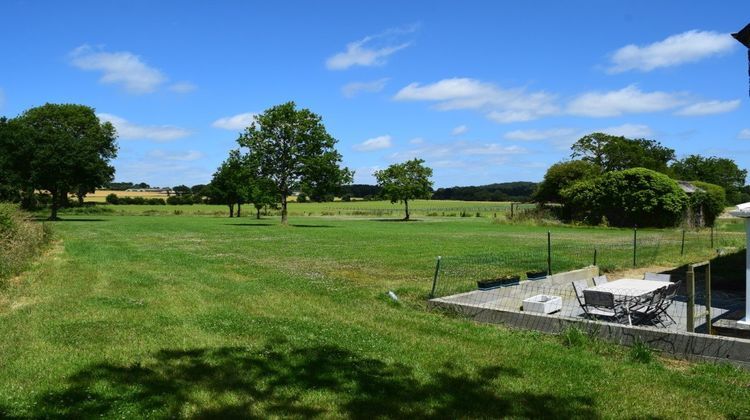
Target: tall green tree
{"type": "Point", "coordinates": [293, 149]}
{"type": "Point", "coordinates": [71, 149]}
{"type": "Point", "coordinates": [562, 175]}
{"type": "Point", "coordinates": [229, 184]}
{"type": "Point", "coordinates": [715, 170]}
{"type": "Point", "coordinates": [616, 153]}
{"type": "Point", "coordinates": [406, 181]}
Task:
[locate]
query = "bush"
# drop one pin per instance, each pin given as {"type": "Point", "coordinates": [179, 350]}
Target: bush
{"type": "Point", "coordinates": [112, 199]}
{"type": "Point", "coordinates": [177, 200]}
{"type": "Point", "coordinates": [346, 197]}
{"type": "Point", "coordinates": [712, 200]}
{"type": "Point", "coordinates": [627, 198]}
{"type": "Point", "coordinates": [20, 239]}
{"type": "Point", "coordinates": [302, 198]}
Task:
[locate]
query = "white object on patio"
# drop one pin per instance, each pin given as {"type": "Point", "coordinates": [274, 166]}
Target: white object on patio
{"type": "Point", "coordinates": [543, 304]}
{"type": "Point", "coordinates": [743, 211]}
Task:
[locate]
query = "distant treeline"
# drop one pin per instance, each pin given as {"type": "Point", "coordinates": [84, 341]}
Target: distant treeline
{"type": "Point", "coordinates": [360, 191]}
{"type": "Point", "coordinates": [506, 191]}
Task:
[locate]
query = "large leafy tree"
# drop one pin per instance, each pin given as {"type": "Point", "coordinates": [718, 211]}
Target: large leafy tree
{"type": "Point", "coordinates": [715, 170]}
{"type": "Point", "coordinates": [293, 149]}
{"type": "Point", "coordinates": [405, 181]}
{"type": "Point", "coordinates": [616, 153]}
{"type": "Point", "coordinates": [229, 184]}
{"type": "Point", "coordinates": [70, 150]}
{"type": "Point", "coordinates": [562, 175]}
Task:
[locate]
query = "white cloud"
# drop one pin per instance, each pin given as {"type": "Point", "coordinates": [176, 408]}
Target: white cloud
{"type": "Point", "coordinates": [636, 131]}
{"type": "Point", "coordinates": [628, 100]}
{"type": "Point", "coordinates": [461, 129]}
{"type": "Point", "coordinates": [709, 108]}
{"type": "Point", "coordinates": [123, 68]}
{"type": "Point", "coordinates": [744, 134]}
{"type": "Point", "coordinates": [534, 135]}
{"type": "Point", "coordinates": [235, 122]}
{"type": "Point", "coordinates": [128, 130]}
{"type": "Point", "coordinates": [677, 49]}
{"type": "Point", "coordinates": [372, 50]}
{"type": "Point", "coordinates": [500, 105]}
{"type": "Point", "coordinates": [351, 90]}
{"type": "Point", "coordinates": [416, 140]}
{"type": "Point", "coordinates": [186, 156]}
{"type": "Point", "coordinates": [183, 87]}
{"type": "Point", "coordinates": [375, 143]}
{"type": "Point", "coordinates": [458, 151]}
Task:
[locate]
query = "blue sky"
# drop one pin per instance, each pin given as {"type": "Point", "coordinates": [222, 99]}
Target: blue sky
{"type": "Point", "coordinates": [483, 91]}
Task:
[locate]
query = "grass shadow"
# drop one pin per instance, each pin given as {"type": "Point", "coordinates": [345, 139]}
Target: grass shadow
{"type": "Point", "coordinates": [327, 381]}
{"type": "Point", "coordinates": [248, 224]}
{"type": "Point", "coordinates": [62, 220]}
{"type": "Point", "coordinates": [311, 226]}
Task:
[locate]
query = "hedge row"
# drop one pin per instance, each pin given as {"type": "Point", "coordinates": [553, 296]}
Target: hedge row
{"type": "Point", "coordinates": [21, 239]}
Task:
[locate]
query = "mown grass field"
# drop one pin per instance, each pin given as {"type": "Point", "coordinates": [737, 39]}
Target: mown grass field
{"type": "Point", "coordinates": [434, 208]}
{"type": "Point", "coordinates": [166, 316]}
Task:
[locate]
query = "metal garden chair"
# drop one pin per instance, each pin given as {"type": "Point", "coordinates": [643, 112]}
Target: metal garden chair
{"type": "Point", "coordinates": [599, 280]}
{"type": "Point", "coordinates": [657, 277]}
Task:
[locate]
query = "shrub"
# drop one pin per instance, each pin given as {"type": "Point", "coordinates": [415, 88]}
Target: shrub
{"type": "Point", "coordinates": [562, 175]}
{"type": "Point", "coordinates": [112, 199]}
{"type": "Point", "coordinates": [20, 239]}
{"type": "Point", "coordinates": [302, 198]}
{"type": "Point", "coordinates": [346, 197]}
{"type": "Point", "coordinates": [712, 200]}
{"type": "Point", "coordinates": [631, 197]}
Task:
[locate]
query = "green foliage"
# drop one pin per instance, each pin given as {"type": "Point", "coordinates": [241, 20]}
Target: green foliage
{"type": "Point", "coordinates": [60, 148]}
{"type": "Point", "coordinates": [712, 200]}
{"type": "Point", "coordinates": [406, 181]}
{"type": "Point", "coordinates": [292, 148]}
{"type": "Point", "coordinates": [21, 239]}
{"type": "Point", "coordinates": [572, 336]}
{"type": "Point", "coordinates": [616, 153]}
{"type": "Point", "coordinates": [505, 191]}
{"type": "Point", "coordinates": [720, 171]}
{"type": "Point", "coordinates": [640, 352]}
{"type": "Point", "coordinates": [112, 198]}
{"type": "Point", "coordinates": [562, 175]}
{"type": "Point", "coordinates": [631, 197]}
{"type": "Point", "coordinates": [302, 198]}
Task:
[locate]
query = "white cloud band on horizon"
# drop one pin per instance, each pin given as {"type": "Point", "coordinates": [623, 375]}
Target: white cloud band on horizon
{"type": "Point", "coordinates": [187, 156]}
{"type": "Point", "coordinates": [461, 129]}
{"type": "Point", "coordinates": [375, 143]}
{"type": "Point", "coordinates": [130, 131]}
{"type": "Point", "coordinates": [235, 122]}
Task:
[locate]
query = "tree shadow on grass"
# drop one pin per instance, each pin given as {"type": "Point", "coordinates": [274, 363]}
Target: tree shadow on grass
{"type": "Point", "coordinates": [311, 226]}
{"type": "Point", "coordinates": [230, 382]}
{"type": "Point", "coordinates": [248, 224]}
{"type": "Point", "coordinates": [62, 220]}
{"type": "Point", "coordinates": [396, 220]}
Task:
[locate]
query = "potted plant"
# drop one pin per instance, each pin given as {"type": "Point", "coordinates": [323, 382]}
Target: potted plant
{"type": "Point", "coordinates": [536, 274]}
{"type": "Point", "coordinates": [506, 280]}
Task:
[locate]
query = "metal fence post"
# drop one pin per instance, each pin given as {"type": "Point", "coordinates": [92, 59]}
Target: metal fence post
{"type": "Point", "coordinates": [635, 245]}
{"type": "Point", "coordinates": [682, 244]}
{"type": "Point", "coordinates": [549, 252]}
{"type": "Point", "coordinates": [594, 256]}
{"type": "Point", "coordinates": [712, 237]}
{"type": "Point", "coordinates": [707, 299]}
{"type": "Point", "coordinates": [690, 279]}
{"type": "Point", "coordinates": [435, 278]}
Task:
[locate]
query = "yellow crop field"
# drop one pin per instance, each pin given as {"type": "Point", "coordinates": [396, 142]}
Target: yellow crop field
{"type": "Point", "coordinates": [100, 195]}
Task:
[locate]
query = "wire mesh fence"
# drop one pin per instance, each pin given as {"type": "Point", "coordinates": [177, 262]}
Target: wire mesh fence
{"type": "Point", "coordinates": [536, 255]}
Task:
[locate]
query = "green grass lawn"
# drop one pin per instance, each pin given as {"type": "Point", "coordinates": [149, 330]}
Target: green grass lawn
{"type": "Point", "coordinates": [164, 316]}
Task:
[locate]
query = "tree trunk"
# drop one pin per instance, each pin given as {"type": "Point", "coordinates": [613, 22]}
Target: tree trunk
{"type": "Point", "coordinates": [257, 213]}
{"type": "Point", "coordinates": [239, 209]}
{"type": "Point", "coordinates": [406, 207]}
{"type": "Point", "coordinates": [55, 205]}
{"type": "Point", "coordinates": [80, 198]}
{"type": "Point", "coordinates": [231, 210]}
{"type": "Point", "coordinates": [284, 219]}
